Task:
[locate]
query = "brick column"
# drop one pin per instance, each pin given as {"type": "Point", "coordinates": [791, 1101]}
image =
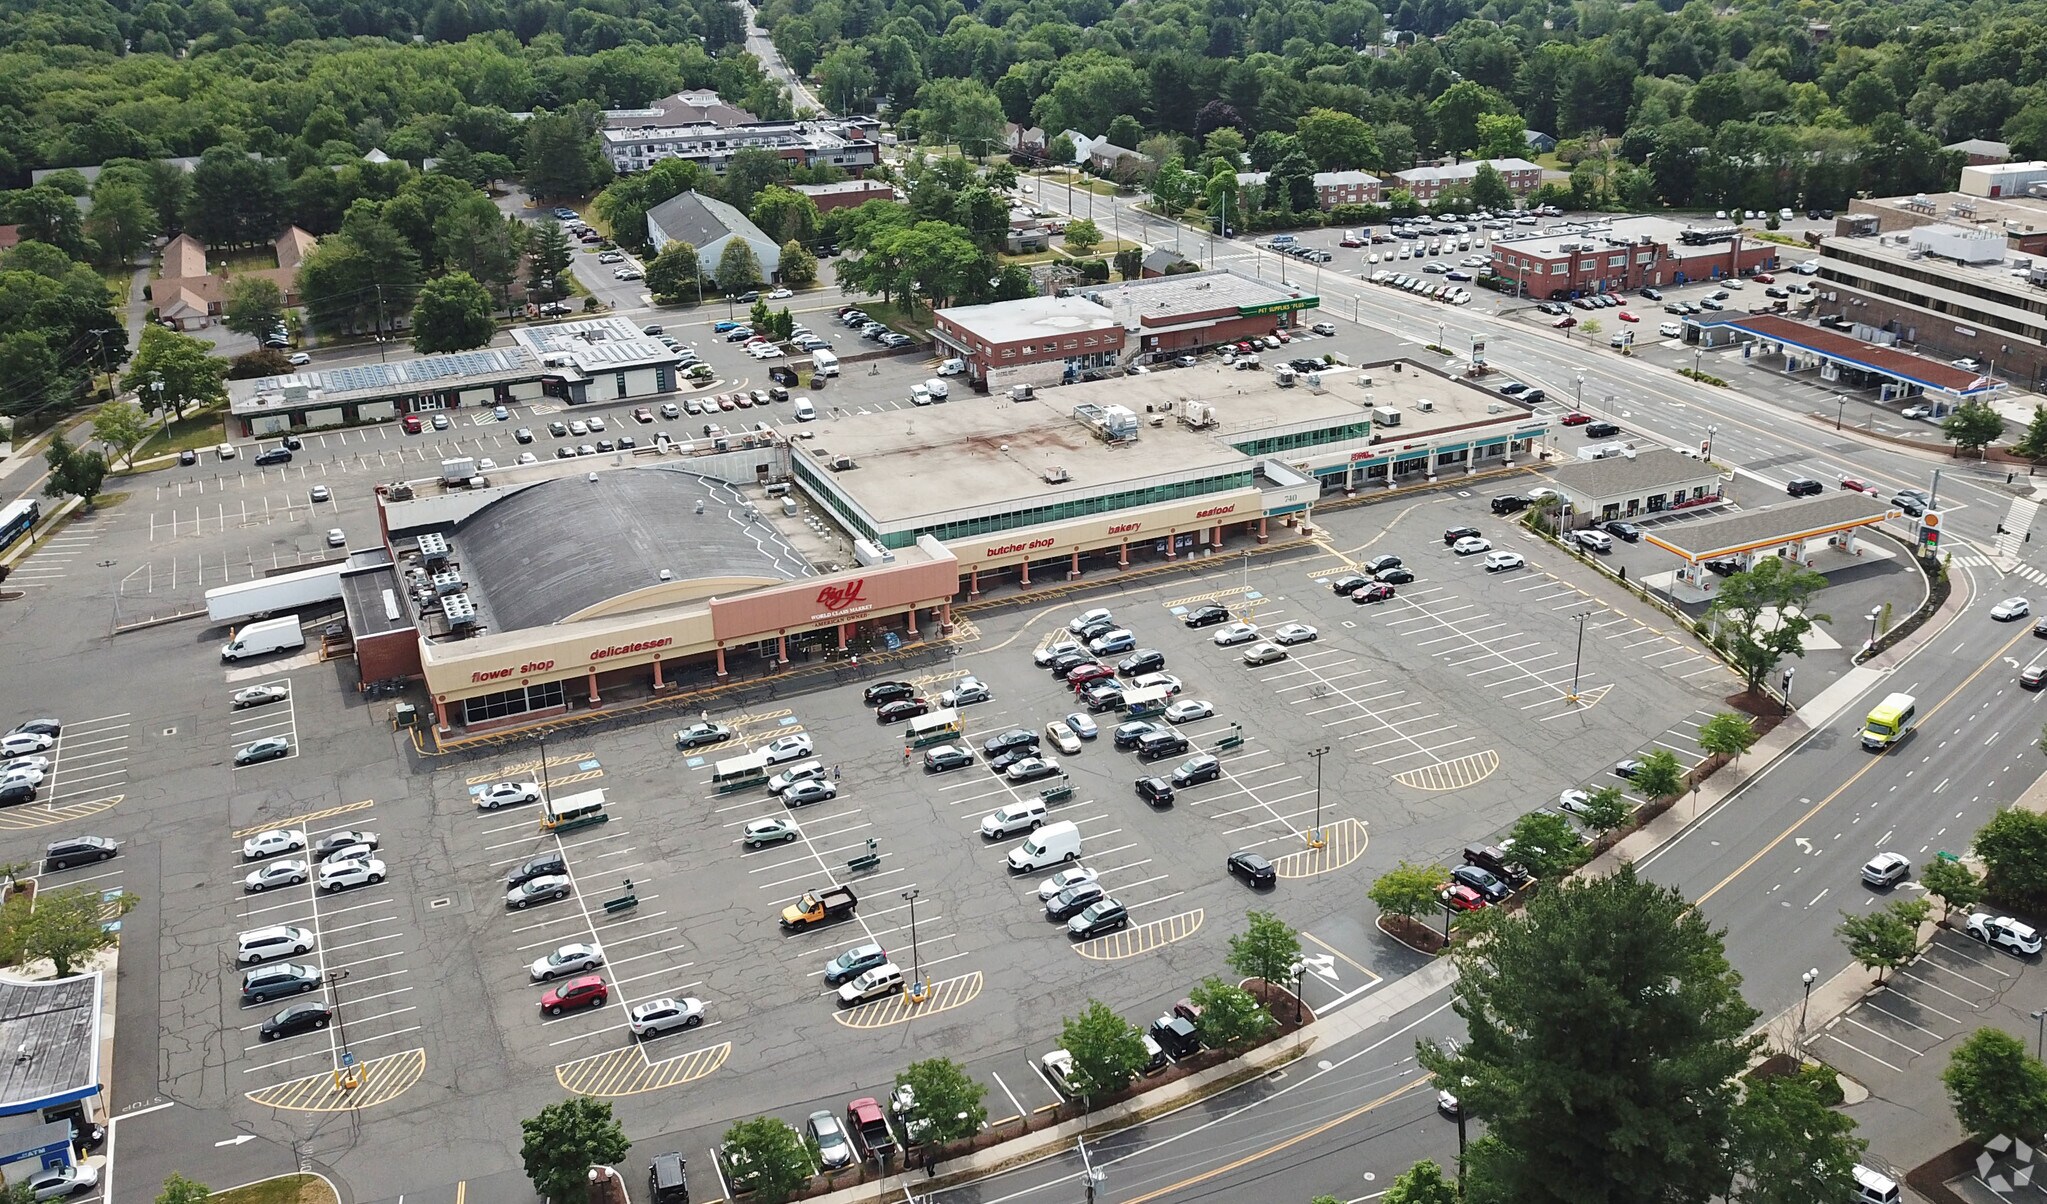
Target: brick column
{"type": "Point", "coordinates": [1123, 561]}
{"type": "Point", "coordinates": [1261, 530]}
{"type": "Point", "coordinates": [657, 674]}
{"type": "Point", "coordinates": [782, 649]}
{"type": "Point", "coordinates": [595, 699]}
{"type": "Point", "coordinates": [1073, 566]}
{"type": "Point", "coordinates": [721, 660]}
{"type": "Point", "coordinates": [974, 582]}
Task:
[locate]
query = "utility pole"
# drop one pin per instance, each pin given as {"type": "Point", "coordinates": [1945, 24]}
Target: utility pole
{"type": "Point", "coordinates": [1089, 1174]}
{"type": "Point", "coordinates": [380, 320]}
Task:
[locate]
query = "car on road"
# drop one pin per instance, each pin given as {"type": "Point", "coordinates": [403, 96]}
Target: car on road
{"type": "Point", "coordinates": [1499, 562]}
{"type": "Point", "coordinates": [2003, 932]}
{"type": "Point", "coordinates": [1207, 615]}
{"type": "Point", "coordinates": [575, 958]}
{"type": "Point", "coordinates": [2033, 677]}
{"type": "Point", "coordinates": [351, 873]}
{"type": "Point", "coordinates": [1186, 710]}
{"type": "Point", "coordinates": [946, 757]}
{"type": "Point", "coordinates": [273, 841]}
{"type": "Point", "coordinates": [792, 747]}
{"type": "Point", "coordinates": [1886, 869]}
{"type": "Point", "coordinates": [667, 1015]}
{"type": "Point", "coordinates": [1472, 545]}
{"type": "Point", "coordinates": [2011, 608]}
{"type": "Point", "coordinates": [853, 963]}
{"type": "Point", "coordinates": [1030, 769]}
{"type": "Point", "coordinates": [1062, 737]}
{"type": "Point", "coordinates": [269, 748]}
{"type": "Point", "coordinates": [305, 1017]}
{"type": "Point", "coordinates": [1263, 654]}
{"type": "Point", "coordinates": [547, 888]}
{"type": "Point", "coordinates": [1235, 633]}
{"type": "Point", "coordinates": [1252, 868]}
{"type": "Point", "coordinates": [77, 850]}
{"type": "Point", "coordinates": [1105, 915]}
{"type": "Point", "coordinates": [803, 794]}
{"type": "Point", "coordinates": [502, 794]}
{"type": "Point", "coordinates": [290, 872]}
{"type": "Point", "coordinates": [589, 991]}
{"type": "Point", "coordinates": [255, 696]}
{"type": "Point", "coordinates": [1294, 633]}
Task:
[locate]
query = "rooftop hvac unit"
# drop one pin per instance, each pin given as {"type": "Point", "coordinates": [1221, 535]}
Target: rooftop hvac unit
{"type": "Point", "coordinates": [1426, 405]}
{"type": "Point", "coordinates": [459, 609]}
{"type": "Point", "coordinates": [1055, 475]}
{"type": "Point", "coordinates": [841, 463]}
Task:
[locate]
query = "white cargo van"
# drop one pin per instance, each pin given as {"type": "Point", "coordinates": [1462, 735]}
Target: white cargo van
{"type": "Point", "coordinates": [825, 363]}
{"type": "Point", "coordinates": [804, 411]}
{"type": "Point", "coordinates": [1049, 845]}
{"type": "Point", "coordinates": [270, 635]}
{"type": "Point", "coordinates": [938, 389]}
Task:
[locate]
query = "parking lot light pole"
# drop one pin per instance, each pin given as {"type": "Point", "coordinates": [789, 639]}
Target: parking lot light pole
{"type": "Point", "coordinates": [1315, 840]}
{"type": "Point", "coordinates": [1873, 616]}
{"type": "Point", "coordinates": [1712, 429]}
{"type": "Point", "coordinates": [1841, 410]}
{"type": "Point", "coordinates": [2041, 1018]}
{"type": "Point", "coordinates": [1808, 978]}
{"type": "Point", "coordinates": [545, 794]}
{"type": "Point", "coordinates": [919, 990]}
{"type": "Point", "coordinates": [1578, 657]}
{"type": "Point", "coordinates": [1578, 394]}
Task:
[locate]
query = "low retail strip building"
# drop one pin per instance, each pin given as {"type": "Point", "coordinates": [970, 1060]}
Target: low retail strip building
{"type": "Point", "coordinates": [556, 585]}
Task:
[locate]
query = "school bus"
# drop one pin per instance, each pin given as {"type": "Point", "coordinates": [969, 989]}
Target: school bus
{"type": "Point", "coordinates": [740, 773]}
{"type": "Point", "coordinates": [1888, 723]}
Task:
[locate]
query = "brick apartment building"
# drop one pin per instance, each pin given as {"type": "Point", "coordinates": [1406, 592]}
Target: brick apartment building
{"type": "Point", "coordinates": [1332, 188]}
{"type": "Point", "coordinates": [846, 194]}
{"type": "Point", "coordinates": [1624, 255]}
{"type": "Point", "coordinates": [1424, 183]}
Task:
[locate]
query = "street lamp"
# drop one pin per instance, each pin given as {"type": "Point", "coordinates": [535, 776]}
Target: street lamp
{"type": "Point", "coordinates": [1872, 616]}
{"type": "Point", "coordinates": [1840, 410]}
{"type": "Point", "coordinates": [1712, 429]}
{"type": "Point", "coordinates": [545, 792]}
{"type": "Point", "coordinates": [918, 991]}
{"type": "Point", "coordinates": [2041, 1017]}
{"type": "Point", "coordinates": [1578, 393]}
{"type": "Point", "coordinates": [1696, 353]}
{"type": "Point", "coordinates": [1297, 972]}
{"type": "Point", "coordinates": [1315, 840]}
{"type": "Point", "coordinates": [1788, 674]}
{"type": "Point", "coordinates": [1808, 978]}
{"type": "Point", "coordinates": [1578, 657]}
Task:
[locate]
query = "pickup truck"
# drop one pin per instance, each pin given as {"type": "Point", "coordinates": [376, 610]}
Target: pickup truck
{"type": "Point", "coordinates": [866, 1119]}
{"type": "Point", "coordinates": [820, 907]}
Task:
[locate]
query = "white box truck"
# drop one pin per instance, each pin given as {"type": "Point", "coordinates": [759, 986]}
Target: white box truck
{"type": "Point", "coordinates": [258, 639]}
{"type": "Point", "coordinates": [824, 363]}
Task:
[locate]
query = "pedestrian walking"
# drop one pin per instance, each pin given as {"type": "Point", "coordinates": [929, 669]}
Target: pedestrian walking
{"type": "Point", "coordinates": [835, 773]}
{"type": "Point", "coordinates": [704, 716]}
{"type": "Point", "coordinates": [906, 754]}
{"type": "Point", "coordinates": [930, 1164]}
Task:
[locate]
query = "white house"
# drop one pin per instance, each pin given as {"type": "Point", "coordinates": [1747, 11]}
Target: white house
{"type": "Point", "coordinates": [708, 224]}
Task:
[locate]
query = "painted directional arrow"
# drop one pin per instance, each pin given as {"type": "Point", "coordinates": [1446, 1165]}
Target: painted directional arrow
{"type": "Point", "coordinates": [1804, 845]}
{"type": "Point", "coordinates": [2012, 661]}
{"type": "Point", "coordinates": [1323, 964]}
{"type": "Point", "coordinates": [236, 1140]}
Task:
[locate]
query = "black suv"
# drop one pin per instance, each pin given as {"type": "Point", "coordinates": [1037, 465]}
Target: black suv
{"type": "Point", "coordinates": [1511, 503]}
{"type": "Point", "coordinates": [1802, 487]}
{"type": "Point", "coordinates": [1454, 534]}
{"type": "Point", "coordinates": [1254, 868]}
{"type": "Point", "coordinates": [535, 867]}
{"type": "Point", "coordinates": [1161, 744]}
{"type": "Point", "coordinates": [64, 854]}
{"type": "Point", "coordinates": [1156, 791]}
{"type": "Point", "coordinates": [888, 691]}
{"type": "Point", "coordinates": [274, 455]}
{"type": "Point", "coordinates": [1207, 615]}
{"type": "Point", "coordinates": [1144, 660]}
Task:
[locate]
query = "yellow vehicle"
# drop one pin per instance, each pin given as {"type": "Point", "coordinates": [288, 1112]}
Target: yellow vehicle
{"type": "Point", "coordinates": [1888, 723]}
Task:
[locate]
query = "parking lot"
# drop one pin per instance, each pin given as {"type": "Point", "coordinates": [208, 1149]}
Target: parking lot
{"type": "Point", "coordinates": [1955, 986]}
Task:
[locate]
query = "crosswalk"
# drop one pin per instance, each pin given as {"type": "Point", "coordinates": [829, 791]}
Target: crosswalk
{"type": "Point", "coordinates": [2037, 576]}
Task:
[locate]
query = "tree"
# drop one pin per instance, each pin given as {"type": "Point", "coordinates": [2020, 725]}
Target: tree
{"type": "Point", "coordinates": [1336, 141]}
{"type": "Point", "coordinates": [1590, 328]}
{"type": "Point", "coordinates": [847, 74]}
{"type": "Point", "coordinates": [949, 1101]}
{"type": "Point", "coordinates": [1973, 426]}
{"type": "Point", "coordinates": [1660, 775]}
{"type": "Point", "coordinates": [66, 926]}
{"type": "Point", "coordinates": [1727, 734]}
{"type": "Point", "coordinates": [1606, 1034]}
{"type": "Point", "coordinates": [1083, 235]}
{"type": "Point", "coordinates": [1489, 189]}
{"type": "Point", "coordinates": [1776, 590]}
{"type": "Point", "coordinates": [1422, 1183]}
{"type": "Point", "coordinates": [1997, 1090]}
{"type": "Point", "coordinates": [1953, 883]}
{"type": "Point", "coordinates": [1408, 890]}
{"type": "Point", "coordinates": [1129, 262]}
{"type": "Point", "coordinates": [568, 1138]}
{"type": "Point", "coordinates": [1265, 949]}
{"type": "Point", "coordinates": [454, 313]}
{"type": "Point", "coordinates": [799, 266]}
{"type": "Point", "coordinates": [179, 1190]}
{"type": "Point", "coordinates": [74, 472]}
{"type": "Point", "coordinates": [559, 156]}
{"type": "Point", "coordinates": [963, 112]}
{"type": "Point", "coordinates": [475, 238]}
{"type": "Point", "coordinates": [1107, 1050]}
{"type": "Point", "coordinates": [1790, 1147]}
{"type": "Point", "coordinates": [190, 372]}
{"type": "Point", "coordinates": [1606, 810]}
{"type": "Point", "coordinates": [751, 172]}
{"type": "Point", "coordinates": [772, 1155]}
{"type": "Point", "coordinates": [1886, 938]}
{"type": "Point", "coordinates": [1546, 845]}
{"type": "Point", "coordinates": [1061, 150]}
{"type": "Point", "coordinates": [2032, 445]}
{"type": "Point", "coordinates": [255, 306]}
{"type": "Point", "coordinates": [2013, 847]}
{"type": "Point", "coordinates": [738, 268]}
{"type": "Point", "coordinates": [785, 215]}
{"type": "Point", "coordinates": [675, 274]}
{"type": "Point", "coordinates": [1502, 136]}
{"type": "Point", "coordinates": [122, 222]}
{"type": "Point", "coordinates": [251, 365]}
{"type": "Point", "coordinates": [1457, 112]}
{"type": "Point", "coordinates": [120, 425]}
{"type": "Point", "coordinates": [1230, 1015]}
{"type": "Point", "coordinates": [550, 253]}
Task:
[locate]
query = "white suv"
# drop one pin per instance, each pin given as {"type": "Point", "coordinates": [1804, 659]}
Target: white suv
{"type": "Point", "coordinates": [2004, 932]}
{"type": "Point", "coordinates": [263, 944]}
{"type": "Point", "coordinates": [1014, 818]}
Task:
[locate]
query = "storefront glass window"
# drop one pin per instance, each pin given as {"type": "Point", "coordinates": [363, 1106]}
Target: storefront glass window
{"type": "Point", "coordinates": [508, 703]}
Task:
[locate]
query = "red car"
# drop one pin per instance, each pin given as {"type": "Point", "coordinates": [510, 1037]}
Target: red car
{"type": "Point", "coordinates": [1087, 673]}
{"type": "Point", "coordinates": [725, 401]}
{"type": "Point", "coordinates": [643, 414]}
{"type": "Point", "coordinates": [412, 424]}
{"type": "Point", "coordinates": [1856, 485]}
{"type": "Point", "coordinates": [1458, 897]}
{"type": "Point", "coordinates": [1625, 316]}
{"type": "Point", "coordinates": [1378, 591]}
{"type": "Point", "coordinates": [588, 991]}
{"type": "Point", "coordinates": [1349, 241]}
{"type": "Point", "coordinates": [1576, 418]}
{"type": "Point", "coordinates": [1764, 278]}
{"type": "Point", "coordinates": [1565, 322]}
{"type": "Point", "coordinates": [1280, 334]}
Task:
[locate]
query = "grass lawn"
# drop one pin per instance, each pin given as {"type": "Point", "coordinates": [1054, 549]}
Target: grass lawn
{"type": "Point", "coordinates": [1105, 248]}
{"type": "Point", "coordinates": [893, 315]}
{"type": "Point", "coordinates": [1079, 180]}
{"type": "Point", "coordinates": [196, 429]}
{"type": "Point", "coordinates": [290, 1189]}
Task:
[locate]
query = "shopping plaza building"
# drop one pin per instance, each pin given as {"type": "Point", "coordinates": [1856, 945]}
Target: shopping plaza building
{"type": "Point", "coordinates": [558, 584]}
